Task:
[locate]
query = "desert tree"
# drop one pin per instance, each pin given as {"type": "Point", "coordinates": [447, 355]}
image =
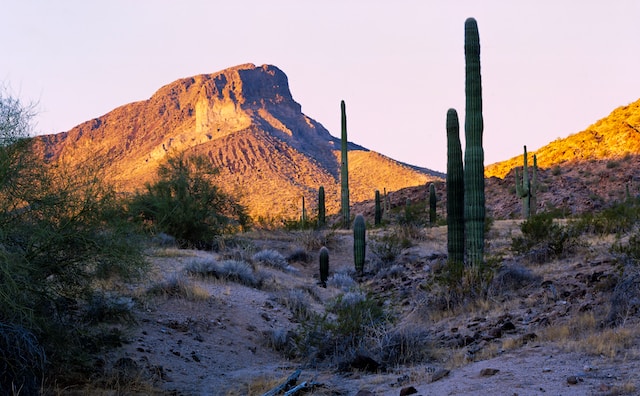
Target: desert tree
{"type": "Point", "coordinates": [185, 203]}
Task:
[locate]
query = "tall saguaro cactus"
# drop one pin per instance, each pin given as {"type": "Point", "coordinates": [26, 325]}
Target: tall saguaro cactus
{"type": "Point", "coordinates": [344, 170]}
{"type": "Point", "coordinates": [359, 242]}
{"type": "Point", "coordinates": [455, 190]}
{"type": "Point", "coordinates": [474, 200]}
{"type": "Point", "coordinates": [527, 189]}
{"type": "Point", "coordinates": [321, 208]}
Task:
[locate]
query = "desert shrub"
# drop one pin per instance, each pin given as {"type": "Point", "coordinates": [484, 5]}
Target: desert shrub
{"type": "Point", "coordinates": [405, 346]}
{"type": "Point", "coordinates": [298, 301]}
{"type": "Point", "coordinates": [351, 320]}
{"type": "Point", "coordinates": [458, 285]}
{"type": "Point", "coordinates": [270, 258]}
{"type": "Point", "coordinates": [388, 246]}
{"type": "Point", "coordinates": [413, 213]}
{"type": "Point", "coordinates": [513, 277]}
{"type": "Point", "coordinates": [341, 280]}
{"type": "Point", "coordinates": [313, 240]}
{"type": "Point", "coordinates": [240, 272]}
{"type": "Point", "coordinates": [185, 204]}
{"type": "Point", "coordinates": [612, 164]}
{"type": "Point", "coordinates": [108, 307]}
{"type": "Point", "coordinates": [542, 239]}
{"type": "Point", "coordinates": [204, 267]}
{"type": "Point", "coordinates": [625, 299]}
{"type": "Point", "coordinates": [299, 255]}
{"type": "Point", "coordinates": [617, 218]}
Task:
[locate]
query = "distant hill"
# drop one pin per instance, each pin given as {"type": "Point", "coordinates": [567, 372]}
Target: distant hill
{"type": "Point", "coordinates": [613, 137]}
{"type": "Point", "coordinates": [245, 120]}
{"type": "Point", "coordinates": [583, 172]}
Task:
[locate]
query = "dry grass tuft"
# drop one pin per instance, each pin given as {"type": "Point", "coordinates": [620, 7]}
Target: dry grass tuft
{"type": "Point", "coordinates": [583, 333]}
{"type": "Point", "coordinates": [181, 287]}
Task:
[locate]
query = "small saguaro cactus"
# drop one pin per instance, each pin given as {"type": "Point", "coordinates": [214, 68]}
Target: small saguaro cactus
{"type": "Point", "coordinates": [321, 208]}
{"type": "Point", "coordinates": [378, 210]}
{"type": "Point", "coordinates": [474, 198]}
{"type": "Point", "coordinates": [433, 199]}
{"type": "Point", "coordinates": [303, 216]}
{"type": "Point", "coordinates": [455, 191]}
{"type": "Point", "coordinates": [359, 243]}
{"type": "Point", "coordinates": [527, 189]}
{"type": "Point", "coordinates": [324, 265]}
{"type": "Point", "coordinates": [344, 170]}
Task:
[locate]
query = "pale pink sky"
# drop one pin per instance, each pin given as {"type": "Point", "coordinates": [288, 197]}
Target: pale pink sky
{"type": "Point", "coordinates": [550, 68]}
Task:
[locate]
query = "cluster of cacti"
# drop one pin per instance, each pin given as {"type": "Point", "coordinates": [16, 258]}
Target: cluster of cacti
{"type": "Point", "coordinates": [528, 189]}
{"type": "Point", "coordinates": [359, 243]}
{"type": "Point", "coordinates": [324, 265]}
{"type": "Point", "coordinates": [344, 170]}
{"type": "Point", "coordinates": [378, 210]}
{"type": "Point", "coordinates": [472, 193]}
{"type": "Point", "coordinates": [321, 208]}
{"type": "Point", "coordinates": [455, 190]}
{"type": "Point", "coordinates": [433, 200]}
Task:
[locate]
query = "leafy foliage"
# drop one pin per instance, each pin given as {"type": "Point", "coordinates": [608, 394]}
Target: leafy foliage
{"type": "Point", "coordinates": [60, 233]}
{"type": "Point", "coordinates": [185, 203]}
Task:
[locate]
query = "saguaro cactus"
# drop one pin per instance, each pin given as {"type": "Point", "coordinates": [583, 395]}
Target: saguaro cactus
{"type": "Point", "coordinates": [474, 200]}
{"type": "Point", "coordinates": [378, 210]}
{"type": "Point", "coordinates": [527, 189]}
{"type": "Point", "coordinates": [344, 170]}
{"type": "Point", "coordinates": [321, 208]}
{"type": "Point", "coordinates": [433, 200]}
{"type": "Point", "coordinates": [303, 216]}
{"type": "Point", "coordinates": [324, 265]}
{"type": "Point", "coordinates": [359, 242]}
{"type": "Point", "coordinates": [455, 190]}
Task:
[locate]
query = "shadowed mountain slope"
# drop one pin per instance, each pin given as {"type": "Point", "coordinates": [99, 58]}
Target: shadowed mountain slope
{"type": "Point", "coordinates": [245, 120]}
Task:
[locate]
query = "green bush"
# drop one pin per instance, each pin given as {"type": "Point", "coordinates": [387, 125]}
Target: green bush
{"type": "Point", "coordinates": [185, 204]}
{"type": "Point", "coordinates": [618, 218]}
{"type": "Point", "coordinates": [543, 239]}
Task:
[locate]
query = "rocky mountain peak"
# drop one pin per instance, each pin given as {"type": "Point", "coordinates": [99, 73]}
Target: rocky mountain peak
{"type": "Point", "coordinates": [246, 121]}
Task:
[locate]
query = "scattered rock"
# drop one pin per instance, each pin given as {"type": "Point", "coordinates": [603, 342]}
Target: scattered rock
{"type": "Point", "coordinates": [572, 380]}
{"type": "Point", "coordinates": [364, 392]}
{"type": "Point", "coordinates": [362, 363]}
{"type": "Point", "coordinates": [440, 374]}
{"type": "Point", "coordinates": [409, 390]}
{"type": "Point", "coordinates": [488, 372]}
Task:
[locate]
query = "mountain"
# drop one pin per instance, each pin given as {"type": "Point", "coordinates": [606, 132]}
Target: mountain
{"type": "Point", "coordinates": [245, 120]}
